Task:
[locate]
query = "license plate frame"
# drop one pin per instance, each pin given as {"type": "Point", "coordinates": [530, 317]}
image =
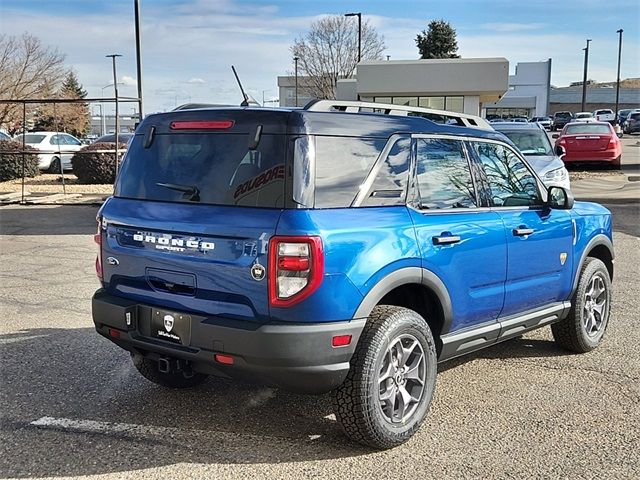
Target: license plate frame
{"type": "Point", "coordinates": [170, 326]}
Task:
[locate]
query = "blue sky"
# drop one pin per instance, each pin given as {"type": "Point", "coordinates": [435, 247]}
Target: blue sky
{"type": "Point", "coordinates": [189, 45]}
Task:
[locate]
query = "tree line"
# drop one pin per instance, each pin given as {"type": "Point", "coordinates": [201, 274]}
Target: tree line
{"type": "Point", "coordinates": [29, 69]}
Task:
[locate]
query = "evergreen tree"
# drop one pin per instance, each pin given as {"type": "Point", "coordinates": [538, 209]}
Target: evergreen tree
{"type": "Point", "coordinates": [439, 41]}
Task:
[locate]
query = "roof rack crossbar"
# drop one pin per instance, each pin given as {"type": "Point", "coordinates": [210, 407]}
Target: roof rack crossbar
{"type": "Point", "coordinates": [349, 106]}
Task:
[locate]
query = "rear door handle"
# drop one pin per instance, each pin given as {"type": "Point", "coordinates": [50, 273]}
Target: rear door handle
{"type": "Point", "coordinates": [446, 239]}
{"type": "Point", "coordinates": [522, 231]}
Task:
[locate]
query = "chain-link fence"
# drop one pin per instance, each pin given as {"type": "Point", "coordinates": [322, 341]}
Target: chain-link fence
{"type": "Point", "coordinates": [24, 155]}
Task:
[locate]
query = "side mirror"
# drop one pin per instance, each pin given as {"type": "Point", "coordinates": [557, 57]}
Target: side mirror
{"type": "Point", "coordinates": [559, 149]}
{"type": "Point", "coordinates": [559, 198]}
{"type": "Point", "coordinates": [555, 135]}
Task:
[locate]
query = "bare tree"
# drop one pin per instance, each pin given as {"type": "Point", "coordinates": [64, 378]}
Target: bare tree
{"type": "Point", "coordinates": [27, 68]}
{"type": "Point", "coordinates": [329, 51]}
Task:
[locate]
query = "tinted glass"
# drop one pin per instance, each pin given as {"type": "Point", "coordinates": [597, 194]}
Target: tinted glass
{"type": "Point", "coordinates": [219, 166]}
{"type": "Point", "coordinates": [563, 115]}
{"type": "Point", "coordinates": [533, 142]}
{"type": "Point", "coordinates": [510, 181]}
{"type": "Point", "coordinates": [444, 179]}
{"type": "Point", "coordinates": [342, 165]}
{"type": "Point", "coordinates": [71, 140]}
{"type": "Point", "coordinates": [588, 128]}
{"type": "Point", "coordinates": [57, 140]}
{"type": "Point", "coordinates": [455, 104]}
{"type": "Point", "coordinates": [635, 116]}
{"type": "Point", "coordinates": [31, 138]}
{"type": "Point", "coordinates": [390, 185]}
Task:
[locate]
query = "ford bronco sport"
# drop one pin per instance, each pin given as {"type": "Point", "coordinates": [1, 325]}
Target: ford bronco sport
{"type": "Point", "coordinates": [343, 247]}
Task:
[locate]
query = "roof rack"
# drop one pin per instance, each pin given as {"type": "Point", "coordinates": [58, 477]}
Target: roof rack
{"type": "Point", "coordinates": [439, 116]}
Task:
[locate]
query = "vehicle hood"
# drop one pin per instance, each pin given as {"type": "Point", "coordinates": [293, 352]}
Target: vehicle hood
{"type": "Point", "coordinates": [544, 163]}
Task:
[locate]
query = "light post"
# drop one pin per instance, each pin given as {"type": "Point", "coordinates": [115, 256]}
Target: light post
{"type": "Point", "coordinates": [359, 15]}
{"type": "Point", "coordinates": [584, 77]}
{"type": "Point", "coordinates": [619, 32]}
{"type": "Point", "coordinates": [103, 123]}
{"type": "Point", "coordinates": [295, 61]}
{"type": "Point", "coordinates": [113, 57]}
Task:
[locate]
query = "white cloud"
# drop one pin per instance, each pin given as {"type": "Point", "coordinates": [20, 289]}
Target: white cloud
{"type": "Point", "coordinates": [196, 81]}
{"type": "Point", "coordinates": [512, 27]}
{"type": "Point", "coordinates": [129, 81]}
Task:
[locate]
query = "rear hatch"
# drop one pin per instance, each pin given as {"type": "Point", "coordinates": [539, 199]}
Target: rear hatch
{"type": "Point", "coordinates": [197, 199]}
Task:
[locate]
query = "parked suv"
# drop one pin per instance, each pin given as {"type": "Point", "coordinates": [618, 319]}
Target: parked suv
{"type": "Point", "coordinates": [345, 247]}
{"type": "Point", "coordinates": [560, 119]}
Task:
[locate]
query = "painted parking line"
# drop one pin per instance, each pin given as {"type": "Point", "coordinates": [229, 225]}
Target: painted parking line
{"type": "Point", "coordinates": [105, 428]}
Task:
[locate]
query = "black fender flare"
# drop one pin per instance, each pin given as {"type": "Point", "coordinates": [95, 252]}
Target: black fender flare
{"type": "Point", "coordinates": [599, 239]}
{"type": "Point", "coordinates": [404, 276]}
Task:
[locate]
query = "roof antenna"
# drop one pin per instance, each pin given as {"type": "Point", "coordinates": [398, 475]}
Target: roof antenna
{"type": "Point", "coordinates": [245, 101]}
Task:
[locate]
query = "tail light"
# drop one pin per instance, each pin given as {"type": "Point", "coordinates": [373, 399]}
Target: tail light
{"type": "Point", "coordinates": [296, 268]}
{"type": "Point", "coordinates": [612, 142]}
{"type": "Point", "coordinates": [98, 239]}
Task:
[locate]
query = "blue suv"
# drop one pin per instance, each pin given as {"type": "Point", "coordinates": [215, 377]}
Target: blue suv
{"type": "Point", "coordinates": [344, 247]}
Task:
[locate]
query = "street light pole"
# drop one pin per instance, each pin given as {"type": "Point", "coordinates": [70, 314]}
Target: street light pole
{"type": "Point", "coordinates": [295, 61]}
{"type": "Point", "coordinates": [113, 57]}
{"type": "Point", "coordinates": [619, 32]}
{"type": "Point", "coordinates": [359, 15]}
{"type": "Point", "coordinates": [136, 13]}
{"type": "Point", "coordinates": [584, 77]}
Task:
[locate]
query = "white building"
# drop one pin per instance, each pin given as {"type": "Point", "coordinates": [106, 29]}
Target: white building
{"type": "Point", "coordinates": [456, 84]}
{"type": "Point", "coordinates": [528, 93]}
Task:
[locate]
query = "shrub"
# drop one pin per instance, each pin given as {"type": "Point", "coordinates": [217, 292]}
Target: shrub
{"type": "Point", "coordinates": [11, 161]}
{"type": "Point", "coordinates": [96, 163]}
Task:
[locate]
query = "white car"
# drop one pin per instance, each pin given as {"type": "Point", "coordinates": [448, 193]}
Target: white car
{"type": "Point", "coordinates": [55, 147]}
{"type": "Point", "coordinates": [584, 117]}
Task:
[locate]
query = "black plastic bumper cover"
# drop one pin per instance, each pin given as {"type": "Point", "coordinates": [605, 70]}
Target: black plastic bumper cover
{"type": "Point", "coordinates": [297, 357]}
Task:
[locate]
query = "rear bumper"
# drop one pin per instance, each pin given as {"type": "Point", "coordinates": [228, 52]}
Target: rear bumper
{"type": "Point", "coordinates": [297, 357]}
{"type": "Point", "coordinates": [589, 156]}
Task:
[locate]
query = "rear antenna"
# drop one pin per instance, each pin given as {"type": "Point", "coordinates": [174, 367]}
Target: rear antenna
{"type": "Point", "coordinates": [245, 101]}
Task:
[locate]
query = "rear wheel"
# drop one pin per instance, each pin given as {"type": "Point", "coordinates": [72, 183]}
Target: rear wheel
{"type": "Point", "coordinates": [388, 390]}
{"type": "Point", "coordinates": [54, 166]}
{"type": "Point", "coordinates": [584, 327]}
{"type": "Point", "coordinates": [172, 379]}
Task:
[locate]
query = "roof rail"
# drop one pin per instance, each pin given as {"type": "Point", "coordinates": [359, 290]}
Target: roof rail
{"type": "Point", "coordinates": [439, 116]}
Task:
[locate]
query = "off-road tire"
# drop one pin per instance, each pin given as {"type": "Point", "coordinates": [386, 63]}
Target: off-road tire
{"type": "Point", "coordinates": [149, 370]}
{"type": "Point", "coordinates": [356, 402]}
{"type": "Point", "coordinates": [570, 333]}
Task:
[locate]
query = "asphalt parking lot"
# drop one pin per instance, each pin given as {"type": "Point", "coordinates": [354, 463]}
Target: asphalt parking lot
{"type": "Point", "coordinates": [72, 404]}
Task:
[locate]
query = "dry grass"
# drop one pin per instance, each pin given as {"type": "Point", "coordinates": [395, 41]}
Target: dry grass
{"type": "Point", "coordinates": [52, 183]}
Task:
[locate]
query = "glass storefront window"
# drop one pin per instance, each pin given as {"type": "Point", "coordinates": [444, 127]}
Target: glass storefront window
{"type": "Point", "coordinates": [382, 99]}
{"type": "Point", "coordinates": [408, 101]}
{"type": "Point", "coordinates": [436, 103]}
{"type": "Point", "coordinates": [455, 104]}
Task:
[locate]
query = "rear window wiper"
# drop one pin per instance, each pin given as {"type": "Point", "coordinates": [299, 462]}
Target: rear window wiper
{"type": "Point", "coordinates": [191, 192]}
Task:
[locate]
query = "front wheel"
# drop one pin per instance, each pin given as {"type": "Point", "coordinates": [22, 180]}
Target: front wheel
{"type": "Point", "coordinates": [391, 381]}
{"type": "Point", "coordinates": [584, 327]}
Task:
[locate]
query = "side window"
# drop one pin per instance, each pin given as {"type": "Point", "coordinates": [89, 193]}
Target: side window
{"type": "Point", "coordinates": [71, 141]}
{"type": "Point", "coordinates": [57, 139]}
{"type": "Point", "coordinates": [510, 181]}
{"type": "Point", "coordinates": [342, 164]}
{"type": "Point", "coordinates": [443, 175]}
{"type": "Point", "coordinates": [390, 185]}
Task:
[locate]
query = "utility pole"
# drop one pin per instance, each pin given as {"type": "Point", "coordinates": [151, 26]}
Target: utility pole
{"type": "Point", "coordinates": [136, 12]}
{"type": "Point", "coordinates": [584, 77]}
{"type": "Point", "coordinates": [619, 32]}
{"type": "Point", "coordinates": [295, 61]}
{"type": "Point", "coordinates": [113, 57]}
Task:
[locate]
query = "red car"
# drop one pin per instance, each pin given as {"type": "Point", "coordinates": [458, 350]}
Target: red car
{"type": "Point", "coordinates": [590, 142]}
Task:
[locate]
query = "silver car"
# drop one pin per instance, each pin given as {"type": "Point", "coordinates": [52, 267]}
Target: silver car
{"type": "Point", "coordinates": [533, 142]}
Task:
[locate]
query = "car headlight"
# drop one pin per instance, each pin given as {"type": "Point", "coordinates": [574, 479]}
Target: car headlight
{"type": "Point", "coordinates": [557, 175]}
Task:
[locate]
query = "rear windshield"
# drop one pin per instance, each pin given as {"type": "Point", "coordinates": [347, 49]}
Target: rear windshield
{"type": "Point", "coordinates": [205, 168]}
{"type": "Point", "coordinates": [531, 143]}
{"type": "Point", "coordinates": [563, 115]}
{"type": "Point", "coordinates": [588, 128]}
{"type": "Point", "coordinates": [635, 116]}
